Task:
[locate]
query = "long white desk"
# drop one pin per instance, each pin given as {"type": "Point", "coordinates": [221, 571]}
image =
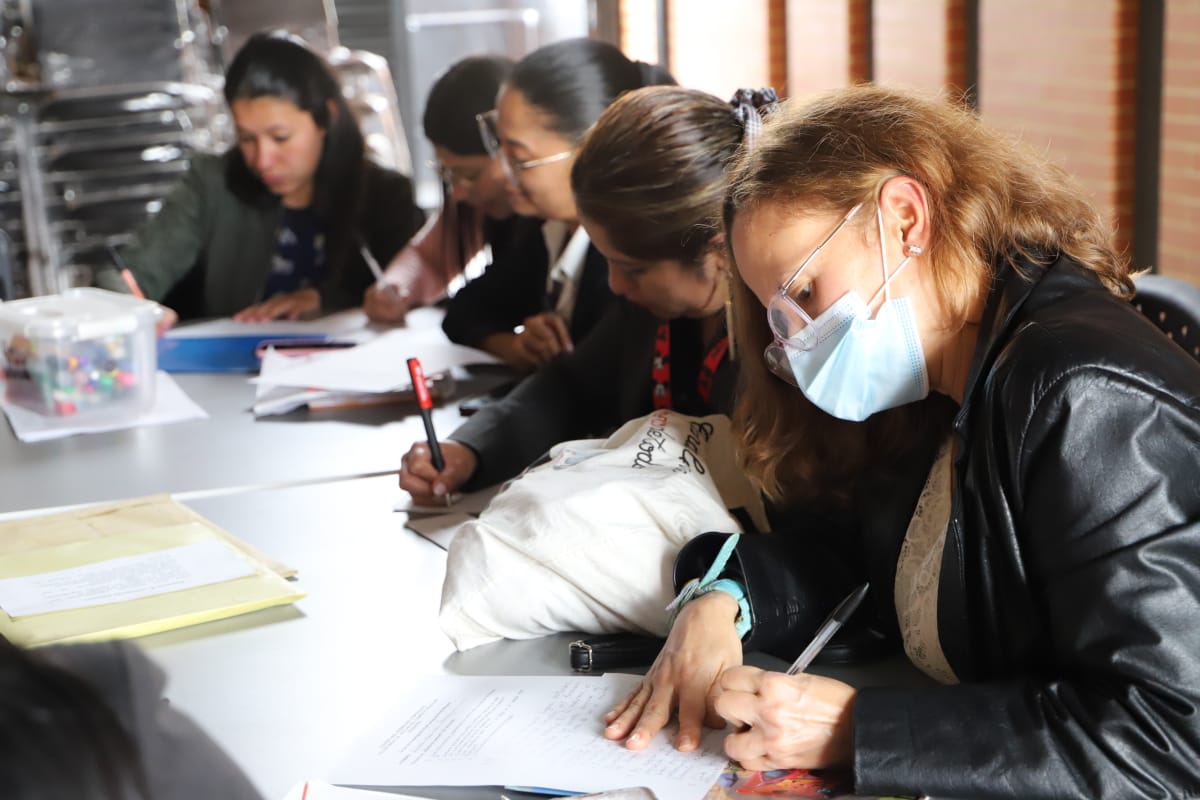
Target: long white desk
{"type": "Point", "coordinates": [230, 450]}
{"type": "Point", "coordinates": [284, 690]}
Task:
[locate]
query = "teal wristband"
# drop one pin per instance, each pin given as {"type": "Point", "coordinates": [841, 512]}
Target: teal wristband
{"type": "Point", "coordinates": [734, 589]}
{"type": "Point", "coordinates": [709, 582]}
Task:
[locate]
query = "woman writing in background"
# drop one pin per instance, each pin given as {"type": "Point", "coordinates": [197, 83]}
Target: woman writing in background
{"type": "Point", "coordinates": [1040, 559]}
{"type": "Point", "coordinates": [528, 309]}
{"type": "Point", "coordinates": [649, 185]}
{"type": "Point", "coordinates": [476, 210]}
{"type": "Point", "coordinates": [274, 228]}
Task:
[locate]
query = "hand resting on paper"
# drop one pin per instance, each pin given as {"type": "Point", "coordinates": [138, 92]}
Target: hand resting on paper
{"type": "Point", "coordinates": [421, 479]}
{"type": "Point", "coordinates": [703, 644]}
{"type": "Point", "coordinates": [292, 305]}
{"type": "Point", "coordinates": [786, 721]}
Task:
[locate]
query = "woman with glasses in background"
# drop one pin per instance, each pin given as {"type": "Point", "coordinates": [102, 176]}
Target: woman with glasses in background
{"type": "Point", "coordinates": [527, 310]}
{"type": "Point", "coordinates": [649, 182]}
{"type": "Point", "coordinates": [476, 217]}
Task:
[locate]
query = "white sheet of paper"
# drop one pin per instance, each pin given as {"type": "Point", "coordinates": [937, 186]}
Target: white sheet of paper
{"type": "Point", "coordinates": [380, 365]}
{"type": "Point", "coordinates": [318, 790]}
{"type": "Point", "coordinates": [342, 322]}
{"type": "Point", "coordinates": [272, 399]}
{"type": "Point", "coordinates": [439, 528]}
{"type": "Point", "coordinates": [171, 404]}
{"type": "Point", "coordinates": [119, 579]}
{"type": "Point", "coordinates": [460, 730]}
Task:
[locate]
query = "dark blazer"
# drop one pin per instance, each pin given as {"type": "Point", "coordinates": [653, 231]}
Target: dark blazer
{"type": "Point", "coordinates": [1070, 581]}
{"type": "Point", "coordinates": [603, 383]}
{"type": "Point", "coordinates": [514, 287]}
{"type": "Point", "coordinates": [208, 252]}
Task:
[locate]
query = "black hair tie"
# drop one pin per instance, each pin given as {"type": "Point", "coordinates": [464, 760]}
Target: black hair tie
{"type": "Point", "coordinates": [750, 106]}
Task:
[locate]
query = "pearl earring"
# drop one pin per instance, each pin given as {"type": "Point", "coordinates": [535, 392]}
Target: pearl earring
{"type": "Point", "coordinates": [913, 250]}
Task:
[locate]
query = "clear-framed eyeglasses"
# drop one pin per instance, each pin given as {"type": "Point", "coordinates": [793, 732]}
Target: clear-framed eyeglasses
{"type": "Point", "coordinates": [512, 168]}
{"type": "Point", "coordinates": [790, 323]}
{"type": "Point", "coordinates": [455, 176]}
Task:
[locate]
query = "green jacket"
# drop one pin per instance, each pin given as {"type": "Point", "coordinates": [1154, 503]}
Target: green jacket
{"type": "Point", "coordinates": [203, 223]}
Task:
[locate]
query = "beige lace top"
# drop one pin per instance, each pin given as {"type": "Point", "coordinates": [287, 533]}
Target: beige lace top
{"type": "Point", "coordinates": [919, 569]}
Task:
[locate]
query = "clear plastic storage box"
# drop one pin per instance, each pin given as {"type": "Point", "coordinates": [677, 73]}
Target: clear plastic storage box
{"type": "Point", "coordinates": [82, 352]}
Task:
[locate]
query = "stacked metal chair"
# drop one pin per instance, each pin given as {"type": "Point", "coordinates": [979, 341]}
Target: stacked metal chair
{"type": "Point", "coordinates": [106, 115]}
{"type": "Point", "coordinates": [371, 93]}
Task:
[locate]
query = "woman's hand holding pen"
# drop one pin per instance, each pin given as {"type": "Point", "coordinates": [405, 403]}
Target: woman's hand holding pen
{"type": "Point", "coordinates": [425, 483]}
{"type": "Point", "coordinates": [702, 645]}
{"type": "Point", "coordinates": [292, 305]}
{"type": "Point", "coordinates": [543, 336]}
{"type": "Point", "coordinates": [794, 721]}
{"type": "Point", "coordinates": [532, 343]}
{"type": "Point", "coordinates": [386, 303]}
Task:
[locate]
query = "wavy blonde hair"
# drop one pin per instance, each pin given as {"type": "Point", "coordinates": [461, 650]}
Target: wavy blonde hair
{"type": "Point", "coordinates": [991, 200]}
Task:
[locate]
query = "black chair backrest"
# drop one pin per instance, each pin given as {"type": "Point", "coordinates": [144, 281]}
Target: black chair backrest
{"type": "Point", "coordinates": [1174, 306]}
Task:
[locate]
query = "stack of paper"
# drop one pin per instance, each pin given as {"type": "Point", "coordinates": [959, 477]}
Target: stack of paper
{"type": "Point", "coordinates": [376, 371]}
{"type": "Point", "coordinates": [128, 569]}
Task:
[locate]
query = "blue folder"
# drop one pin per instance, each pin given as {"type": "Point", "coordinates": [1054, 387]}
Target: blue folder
{"type": "Point", "coordinates": [218, 353]}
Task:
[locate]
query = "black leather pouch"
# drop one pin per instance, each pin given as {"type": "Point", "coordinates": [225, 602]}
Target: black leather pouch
{"type": "Point", "coordinates": [613, 650]}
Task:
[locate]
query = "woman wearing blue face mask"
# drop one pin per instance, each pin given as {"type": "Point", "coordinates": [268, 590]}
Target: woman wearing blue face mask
{"type": "Point", "coordinates": [1015, 443]}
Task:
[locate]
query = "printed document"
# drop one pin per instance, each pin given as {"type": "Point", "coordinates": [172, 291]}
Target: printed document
{"type": "Point", "coordinates": [119, 579]}
{"type": "Point", "coordinates": [458, 730]}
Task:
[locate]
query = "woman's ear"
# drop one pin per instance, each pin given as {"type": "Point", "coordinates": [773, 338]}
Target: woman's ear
{"type": "Point", "coordinates": [905, 206]}
{"type": "Point", "coordinates": [718, 247]}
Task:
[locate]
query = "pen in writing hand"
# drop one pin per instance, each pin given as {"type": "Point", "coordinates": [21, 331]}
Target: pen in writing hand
{"type": "Point", "coordinates": [425, 404]}
{"type": "Point", "coordinates": [372, 264]}
{"type": "Point", "coordinates": [126, 273]}
{"type": "Point", "coordinates": [377, 271]}
{"type": "Point", "coordinates": [828, 628]}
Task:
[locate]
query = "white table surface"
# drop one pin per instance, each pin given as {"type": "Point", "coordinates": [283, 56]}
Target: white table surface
{"type": "Point", "coordinates": [286, 690]}
{"type": "Point", "coordinates": [230, 451]}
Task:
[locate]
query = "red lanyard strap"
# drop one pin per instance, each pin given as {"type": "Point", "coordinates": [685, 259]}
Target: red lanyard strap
{"type": "Point", "coordinates": [660, 368]}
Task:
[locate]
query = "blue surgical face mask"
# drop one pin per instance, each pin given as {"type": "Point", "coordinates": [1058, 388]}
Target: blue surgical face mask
{"type": "Point", "coordinates": [861, 365]}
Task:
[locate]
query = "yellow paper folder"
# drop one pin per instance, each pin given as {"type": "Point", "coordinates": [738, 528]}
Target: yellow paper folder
{"type": "Point", "coordinates": [61, 541]}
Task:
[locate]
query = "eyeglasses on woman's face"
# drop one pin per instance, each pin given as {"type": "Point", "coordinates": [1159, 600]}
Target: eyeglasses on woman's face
{"type": "Point", "coordinates": [790, 323]}
{"type": "Point", "coordinates": [456, 176]}
{"type": "Point", "coordinates": [489, 134]}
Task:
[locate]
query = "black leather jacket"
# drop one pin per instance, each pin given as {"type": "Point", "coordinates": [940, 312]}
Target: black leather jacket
{"type": "Point", "coordinates": [1069, 600]}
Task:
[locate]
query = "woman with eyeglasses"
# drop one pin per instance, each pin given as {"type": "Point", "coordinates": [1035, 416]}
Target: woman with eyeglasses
{"type": "Point", "coordinates": [530, 309]}
{"type": "Point", "coordinates": [648, 183]}
{"type": "Point", "coordinates": [278, 225]}
{"type": "Point", "coordinates": [476, 212]}
{"type": "Point", "coordinates": [1031, 536]}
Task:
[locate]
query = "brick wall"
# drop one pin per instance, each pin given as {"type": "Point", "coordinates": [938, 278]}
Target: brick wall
{"type": "Point", "coordinates": [719, 46]}
{"type": "Point", "coordinates": [827, 44]}
{"type": "Point", "coordinates": [1179, 183]}
{"type": "Point", "coordinates": [638, 21]}
{"type": "Point", "coordinates": [1061, 73]}
{"type": "Point", "coordinates": [910, 43]}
